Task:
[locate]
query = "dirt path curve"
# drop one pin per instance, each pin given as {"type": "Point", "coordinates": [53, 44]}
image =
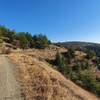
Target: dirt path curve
{"type": "Point", "coordinates": [9, 87]}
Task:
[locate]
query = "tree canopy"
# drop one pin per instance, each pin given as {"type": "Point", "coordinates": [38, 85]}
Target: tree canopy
{"type": "Point", "coordinates": [24, 39]}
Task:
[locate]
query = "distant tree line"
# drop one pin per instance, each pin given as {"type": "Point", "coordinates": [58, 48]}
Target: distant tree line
{"type": "Point", "coordinates": [24, 39]}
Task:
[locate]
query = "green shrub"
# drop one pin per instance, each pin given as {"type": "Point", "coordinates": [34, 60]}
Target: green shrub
{"type": "Point", "coordinates": [23, 40]}
{"type": "Point", "coordinates": [74, 76]}
{"type": "Point", "coordinates": [62, 67]}
{"type": "Point", "coordinates": [77, 67]}
{"type": "Point", "coordinates": [60, 62]}
{"type": "Point", "coordinates": [71, 53]}
{"type": "Point", "coordinates": [90, 83]}
{"type": "Point", "coordinates": [85, 65]}
{"type": "Point", "coordinates": [40, 41]}
{"type": "Point", "coordinates": [90, 54]}
{"type": "Point", "coordinates": [30, 39]}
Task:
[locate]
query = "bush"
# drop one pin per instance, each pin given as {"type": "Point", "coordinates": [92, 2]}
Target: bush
{"type": "Point", "coordinates": [90, 54]}
{"type": "Point", "coordinates": [85, 64]}
{"type": "Point", "coordinates": [23, 40]}
{"type": "Point", "coordinates": [62, 67]}
{"type": "Point", "coordinates": [60, 62]}
{"type": "Point", "coordinates": [77, 67]}
{"type": "Point", "coordinates": [90, 83]}
{"type": "Point", "coordinates": [30, 39]}
{"type": "Point", "coordinates": [8, 34]}
{"type": "Point", "coordinates": [74, 76]}
{"type": "Point", "coordinates": [40, 41]}
{"type": "Point", "coordinates": [70, 54]}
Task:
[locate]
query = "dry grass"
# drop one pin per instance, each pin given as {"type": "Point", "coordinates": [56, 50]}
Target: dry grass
{"type": "Point", "coordinates": [40, 82]}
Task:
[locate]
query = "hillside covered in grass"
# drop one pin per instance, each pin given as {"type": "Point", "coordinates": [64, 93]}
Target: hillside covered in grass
{"type": "Point", "coordinates": [79, 64]}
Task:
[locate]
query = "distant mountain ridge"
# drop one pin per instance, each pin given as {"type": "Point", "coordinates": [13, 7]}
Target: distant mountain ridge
{"type": "Point", "coordinates": [81, 45]}
{"type": "Point", "coordinates": [78, 43]}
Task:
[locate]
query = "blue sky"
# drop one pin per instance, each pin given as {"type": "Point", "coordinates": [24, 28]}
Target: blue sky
{"type": "Point", "coordinates": [60, 20]}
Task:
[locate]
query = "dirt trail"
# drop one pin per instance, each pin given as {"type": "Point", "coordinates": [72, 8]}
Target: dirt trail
{"type": "Point", "coordinates": [9, 87]}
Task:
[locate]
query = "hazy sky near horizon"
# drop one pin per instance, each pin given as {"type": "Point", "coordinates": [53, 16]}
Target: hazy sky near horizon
{"type": "Point", "coordinates": [60, 20]}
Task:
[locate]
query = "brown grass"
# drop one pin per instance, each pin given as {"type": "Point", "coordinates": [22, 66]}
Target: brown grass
{"type": "Point", "coordinates": [40, 82]}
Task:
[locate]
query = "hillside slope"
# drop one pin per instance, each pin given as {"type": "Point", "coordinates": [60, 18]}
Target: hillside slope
{"type": "Point", "coordinates": [41, 82]}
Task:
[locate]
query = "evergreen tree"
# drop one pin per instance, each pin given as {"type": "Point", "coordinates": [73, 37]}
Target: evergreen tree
{"type": "Point", "coordinates": [23, 40]}
{"type": "Point", "coordinates": [71, 53]}
{"type": "Point", "coordinates": [40, 41]}
{"type": "Point", "coordinates": [30, 39]}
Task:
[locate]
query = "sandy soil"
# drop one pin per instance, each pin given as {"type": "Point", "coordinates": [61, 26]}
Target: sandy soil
{"type": "Point", "coordinates": [9, 87]}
